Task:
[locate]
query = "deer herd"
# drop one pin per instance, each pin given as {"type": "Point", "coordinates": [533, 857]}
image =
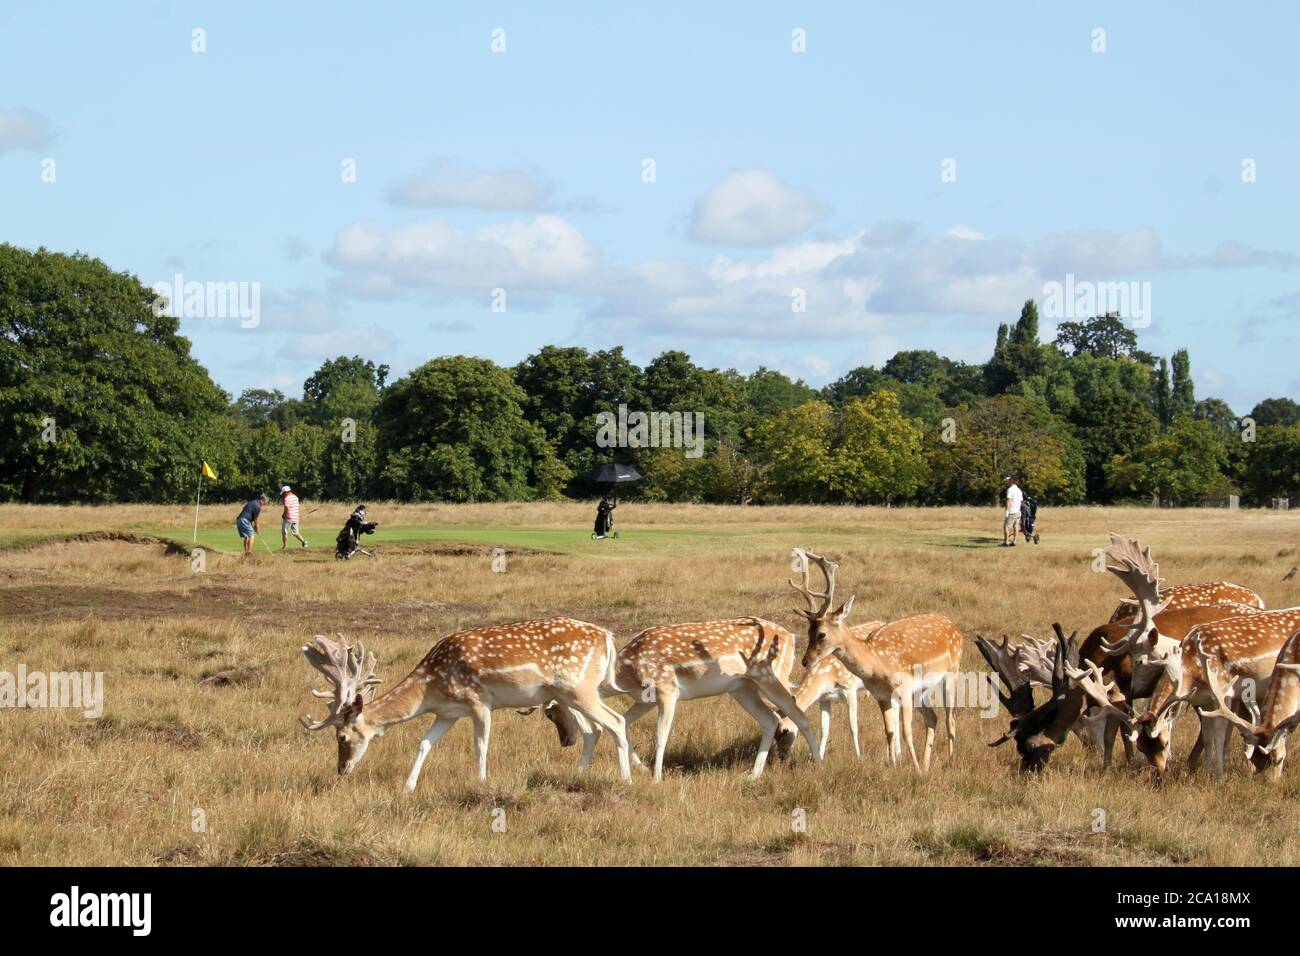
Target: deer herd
{"type": "Point", "coordinates": [1210, 649]}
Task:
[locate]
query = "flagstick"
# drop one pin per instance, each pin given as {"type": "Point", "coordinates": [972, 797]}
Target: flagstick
{"type": "Point", "coordinates": [197, 493]}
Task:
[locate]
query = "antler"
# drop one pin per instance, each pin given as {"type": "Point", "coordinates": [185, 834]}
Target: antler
{"type": "Point", "coordinates": [1137, 569]}
{"type": "Point", "coordinates": [1221, 708]}
{"type": "Point", "coordinates": [1035, 659]}
{"type": "Point", "coordinates": [1019, 698]}
{"type": "Point", "coordinates": [1093, 683]}
{"type": "Point", "coordinates": [350, 669]}
{"type": "Point", "coordinates": [827, 597]}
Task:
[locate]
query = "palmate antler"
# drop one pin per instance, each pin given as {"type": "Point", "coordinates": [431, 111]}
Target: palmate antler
{"type": "Point", "coordinates": [1035, 659]}
{"type": "Point", "coordinates": [1221, 708]}
{"type": "Point", "coordinates": [1093, 683]}
{"type": "Point", "coordinates": [827, 597]}
{"type": "Point", "coordinates": [350, 669]}
{"type": "Point", "coordinates": [1136, 568]}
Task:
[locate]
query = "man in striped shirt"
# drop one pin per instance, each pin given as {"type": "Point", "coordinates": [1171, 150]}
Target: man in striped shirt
{"type": "Point", "coordinates": [289, 521]}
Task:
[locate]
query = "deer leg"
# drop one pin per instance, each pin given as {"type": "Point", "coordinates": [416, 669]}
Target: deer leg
{"type": "Point", "coordinates": [440, 727]}
{"type": "Point", "coordinates": [851, 700]}
{"type": "Point", "coordinates": [1220, 730]}
{"type": "Point", "coordinates": [667, 707]}
{"type": "Point", "coordinates": [749, 698]}
{"type": "Point", "coordinates": [931, 722]}
{"type": "Point", "coordinates": [634, 713]}
{"type": "Point", "coordinates": [890, 717]}
{"type": "Point", "coordinates": [590, 706]}
{"type": "Point", "coordinates": [482, 717]}
{"type": "Point", "coordinates": [904, 697]}
{"type": "Point", "coordinates": [1109, 731]}
{"type": "Point", "coordinates": [950, 711]}
{"type": "Point", "coordinates": [775, 691]}
{"type": "Point", "coordinates": [590, 737]}
{"type": "Point", "coordinates": [824, 710]}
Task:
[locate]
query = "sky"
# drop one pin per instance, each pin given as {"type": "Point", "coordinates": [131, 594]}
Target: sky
{"type": "Point", "coordinates": [802, 187]}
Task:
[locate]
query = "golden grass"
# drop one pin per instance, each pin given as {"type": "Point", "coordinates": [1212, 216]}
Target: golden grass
{"type": "Point", "coordinates": [204, 682]}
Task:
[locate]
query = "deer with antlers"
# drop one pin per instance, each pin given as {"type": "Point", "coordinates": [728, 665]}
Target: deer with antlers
{"type": "Point", "coordinates": [1278, 714]}
{"type": "Point", "coordinates": [899, 663]}
{"type": "Point", "coordinates": [748, 659]}
{"type": "Point", "coordinates": [469, 674]}
{"type": "Point", "coordinates": [1238, 652]}
{"type": "Point", "coordinates": [1037, 729]}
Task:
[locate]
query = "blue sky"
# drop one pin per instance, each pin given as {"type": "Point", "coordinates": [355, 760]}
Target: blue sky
{"type": "Point", "coordinates": [774, 171]}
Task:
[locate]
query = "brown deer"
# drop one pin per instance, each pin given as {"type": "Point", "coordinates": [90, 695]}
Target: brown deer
{"type": "Point", "coordinates": [830, 681]}
{"type": "Point", "coordinates": [1241, 652]}
{"type": "Point", "coordinates": [469, 674]}
{"type": "Point", "coordinates": [1279, 713]}
{"type": "Point", "coordinates": [899, 663]}
{"type": "Point", "coordinates": [749, 659]}
{"type": "Point", "coordinates": [1038, 730]}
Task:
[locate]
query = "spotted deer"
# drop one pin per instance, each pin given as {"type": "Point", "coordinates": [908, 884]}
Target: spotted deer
{"type": "Point", "coordinates": [1205, 594]}
{"type": "Point", "coordinates": [748, 659]}
{"type": "Point", "coordinates": [1279, 712]}
{"type": "Point", "coordinates": [898, 663]}
{"type": "Point", "coordinates": [469, 674]}
{"type": "Point", "coordinates": [1241, 652]}
{"type": "Point", "coordinates": [828, 682]}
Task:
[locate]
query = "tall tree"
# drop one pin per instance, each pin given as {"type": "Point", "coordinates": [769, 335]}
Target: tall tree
{"type": "Point", "coordinates": [100, 398]}
{"type": "Point", "coordinates": [1161, 400]}
{"type": "Point", "coordinates": [1182, 398]}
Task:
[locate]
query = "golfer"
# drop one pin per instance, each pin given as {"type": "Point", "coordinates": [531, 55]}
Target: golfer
{"type": "Point", "coordinates": [1011, 522]}
{"type": "Point", "coordinates": [247, 521]}
{"type": "Point", "coordinates": [289, 520]}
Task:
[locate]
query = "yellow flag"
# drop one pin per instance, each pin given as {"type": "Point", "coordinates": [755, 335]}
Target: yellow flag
{"type": "Point", "coordinates": [208, 472]}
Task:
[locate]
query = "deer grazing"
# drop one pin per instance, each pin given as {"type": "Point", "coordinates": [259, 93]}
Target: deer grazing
{"type": "Point", "coordinates": [899, 663]}
{"type": "Point", "coordinates": [830, 681]}
{"type": "Point", "coordinates": [1241, 652]}
{"type": "Point", "coordinates": [1038, 730]}
{"type": "Point", "coordinates": [1279, 712]}
{"type": "Point", "coordinates": [749, 659]}
{"type": "Point", "coordinates": [469, 674]}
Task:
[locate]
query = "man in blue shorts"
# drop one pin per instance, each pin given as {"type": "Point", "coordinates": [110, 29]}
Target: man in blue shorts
{"type": "Point", "coordinates": [247, 521]}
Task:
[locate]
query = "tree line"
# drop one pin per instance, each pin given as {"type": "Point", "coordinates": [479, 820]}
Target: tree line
{"type": "Point", "coordinates": [104, 402]}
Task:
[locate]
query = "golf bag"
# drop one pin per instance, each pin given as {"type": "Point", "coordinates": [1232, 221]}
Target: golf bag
{"type": "Point", "coordinates": [348, 541]}
{"type": "Point", "coordinates": [1029, 519]}
{"type": "Point", "coordinates": [604, 518]}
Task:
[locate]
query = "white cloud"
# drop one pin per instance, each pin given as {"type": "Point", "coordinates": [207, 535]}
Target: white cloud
{"type": "Point", "coordinates": [24, 130]}
{"type": "Point", "coordinates": [752, 208]}
{"type": "Point", "coordinates": [543, 254]}
{"type": "Point", "coordinates": [449, 186]}
{"type": "Point", "coordinates": [355, 341]}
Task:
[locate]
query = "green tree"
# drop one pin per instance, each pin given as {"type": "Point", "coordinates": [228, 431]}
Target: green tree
{"type": "Point", "coordinates": [1182, 465]}
{"type": "Point", "coordinates": [1116, 424]}
{"type": "Point", "coordinates": [792, 450]}
{"type": "Point", "coordinates": [1001, 435]}
{"type": "Point", "coordinates": [100, 398]}
{"type": "Point", "coordinates": [1161, 399]}
{"type": "Point", "coordinates": [1271, 468]}
{"type": "Point", "coordinates": [1102, 336]}
{"type": "Point", "coordinates": [875, 453]}
{"type": "Point", "coordinates": [1276, 411]}
{"type": "Point", "coordinates": [454, 430]}
{"type": "Point", "coordinates": [1182, 396]}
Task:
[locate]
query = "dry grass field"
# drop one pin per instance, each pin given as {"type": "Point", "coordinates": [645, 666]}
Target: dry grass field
{"type": "Point", "coordinates": [204, 683]}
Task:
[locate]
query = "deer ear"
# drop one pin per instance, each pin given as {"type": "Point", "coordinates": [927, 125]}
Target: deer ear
{"type": "Point", "coordinates": [845, 608]}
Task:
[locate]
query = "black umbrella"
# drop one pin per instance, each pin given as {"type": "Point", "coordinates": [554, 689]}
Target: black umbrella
{"type": "Point", "coordinates": [614, 474]}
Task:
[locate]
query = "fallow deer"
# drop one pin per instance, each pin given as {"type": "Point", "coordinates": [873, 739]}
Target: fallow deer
{"type": "Point", "coordinates": [749, 659]}
{"type": "Point", "coordinates": [1242, 652]}
{"type": "Point", "coordinates": [1038, 730]}
{"type": "Point", "coordinates": [899, 663]}
{"type": "Point", "coordinates": [1279, 713]}
{"type": "Point", "coordinates": [469, 674]}
{"type": "Point", "coordinates": [1205, 594]}
{"type": "Point", "coordinates": [830, 681]}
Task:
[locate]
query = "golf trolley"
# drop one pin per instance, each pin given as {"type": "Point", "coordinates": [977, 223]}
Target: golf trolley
{"type": "Point", "coordinates": [348, 541]}
{"type": "Point", "coordinates": [604, 520]}
{"type": "Point", "coordinates": [1029, 519]}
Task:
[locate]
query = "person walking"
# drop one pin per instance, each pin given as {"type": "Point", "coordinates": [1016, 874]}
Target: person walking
{"type": "Point", "coordinates": [247, 522]}
{"type": "Point", "coordinates": [1011, 521]}
{"type": "Point", "coordinates": [289, 520]}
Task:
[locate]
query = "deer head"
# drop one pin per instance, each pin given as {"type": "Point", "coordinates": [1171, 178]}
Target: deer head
{"type": "Point", "coordinates": [1037, 731]}
{"type": "Point", "coordinates": [827, 630]}
{"type": "Point", "coordinates": [351, 671]}
{"type": "Point", "coordinates": [1136, 568]}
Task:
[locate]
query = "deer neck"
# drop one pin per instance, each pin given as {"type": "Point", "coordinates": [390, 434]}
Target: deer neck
{"type": "Point", "coordinates": [860, 658]}
{"type": "Point", "coordinates": [405, 700]}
